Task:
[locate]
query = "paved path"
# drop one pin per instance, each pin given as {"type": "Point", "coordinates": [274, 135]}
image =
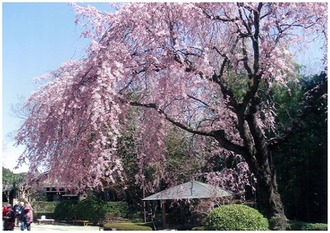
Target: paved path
{"type": "Point", "coordinates": [59, 227]}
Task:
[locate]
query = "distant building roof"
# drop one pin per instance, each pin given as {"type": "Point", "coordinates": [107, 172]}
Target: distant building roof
{"type": "Point", "coordinates": [189, 190]}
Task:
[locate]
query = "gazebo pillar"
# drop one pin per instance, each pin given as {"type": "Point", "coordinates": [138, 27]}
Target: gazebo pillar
{"type": "Point", "coordinates": [182, 213]}
{"type": "Point", "coordinates": [144, 211]}
{"type": "Point", "coordinates": [163, 203]}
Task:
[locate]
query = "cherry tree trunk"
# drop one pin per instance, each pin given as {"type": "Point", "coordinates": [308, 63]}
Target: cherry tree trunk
{"type": "Point", "coordinates": [258, 157]}
{"type": "Point", "coordinates": [269, 200]}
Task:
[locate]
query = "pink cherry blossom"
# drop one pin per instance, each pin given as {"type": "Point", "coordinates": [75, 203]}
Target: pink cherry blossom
{"type": "Point", "coordinates": [204, 67]}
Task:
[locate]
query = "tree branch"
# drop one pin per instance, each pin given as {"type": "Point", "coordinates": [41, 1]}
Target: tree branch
{"type": "Point", "coordinates": [198, 100]}
{"type": "Point", "coordinates": [179, 124]}
{"type": "Point", "coordinates": [254, 77]}
{"type": "Point", "coordinates": [316, 92]}
{"type": "Point", "coordinates": [219, 135]}
{"type": "Point", "coordinates": [216, 17]}
{"type": "Point", "coordinates": [277, 141]}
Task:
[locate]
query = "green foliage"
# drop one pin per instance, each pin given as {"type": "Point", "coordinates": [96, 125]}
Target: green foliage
{"type": "Point", "coordinates": [276, 223]}
{"type": "Point", "coordinates": [127, 226]}
{"type": "Point", "coordinates": [298, 225]}
{"type": "Point", "coordinates": [235, 217]}
{"type": "Point", "coordinates": [65, 210]}
{"type": "Point", "coordinates": [44, 206]}
{"type": "Point", "coordinates": [301, 162]}
{"type": "Point", "coordinates": [8, 177]}
{"type": "Point", "coordinates": [117, 209]}
{"type": "Point", "coordinates": [182, 163]}
{"type": "Point", "coordinates": [90, 209]}
{"type": "Point", "coordinates": [38, 196]}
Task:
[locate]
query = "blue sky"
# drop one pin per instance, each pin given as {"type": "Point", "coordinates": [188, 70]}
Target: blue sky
{"type": "Point", "coordinates": [36, 38]}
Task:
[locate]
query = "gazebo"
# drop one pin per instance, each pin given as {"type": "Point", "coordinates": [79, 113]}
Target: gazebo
{"type": "Point", "coordinates": [188, 190]}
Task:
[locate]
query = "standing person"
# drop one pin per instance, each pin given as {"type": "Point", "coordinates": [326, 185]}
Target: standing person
{"type": "Point", "coordinates": [4, 209]}
{"type": "Point", "coordinates": [27, 217]}
{"type": "Point", "coordinates": [17, 210]}
{"type": "Point", "coordinates": [9, 219]}
{"type": "Point", "coordinates": [27, 203]}
{"type": "Point", "coordinates": [19, 215]}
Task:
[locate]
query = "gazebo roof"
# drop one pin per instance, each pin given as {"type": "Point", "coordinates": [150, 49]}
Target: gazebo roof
{"type": "Point", "coordinates": [189, 190]}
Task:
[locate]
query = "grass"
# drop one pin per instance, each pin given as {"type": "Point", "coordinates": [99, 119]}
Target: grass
{"type": "Point", "coordinates": [127, 226]}
{"type": "Point", "coordinates": [306, 226]}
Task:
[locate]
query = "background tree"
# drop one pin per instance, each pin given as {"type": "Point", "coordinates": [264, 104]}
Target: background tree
{"type": "Point", "coordinates": [11, 183]}
{"type": "Point", "coordinates": [301, 161]}
{"type": "Point", "coordinates": [10, 178]}
{"type": "Point", "coordinates": [182, 62]}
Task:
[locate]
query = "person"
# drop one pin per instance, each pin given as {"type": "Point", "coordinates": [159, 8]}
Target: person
{"type": "Point", "coordinates": [9, 219]}
{"type": "Point", "coordinates": [4, 209]}
{"type": "Point", "coordinates": [26, 217]}
{"type": "Point", "coordinates": [26, 202]}
{"type": "Point", "coordinates": [21, 216]}
{"type": "Point", "coordinates": [17, 210]}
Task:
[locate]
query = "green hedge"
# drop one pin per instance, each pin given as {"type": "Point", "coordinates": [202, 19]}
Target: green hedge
{"type": "Point", "coordinates": [235, 217]}
{"type": "Point", "coordinates": [44, 206]}
{"type": "Point", "coordinates": [304, 226]}
{"type": "Point", "coordinates": [41, 208]}
{"type": "Point", "coordinates": [117, 209]}
{"type": "Point", "coordinates": [127, 226]}
{"type": "Point", "coordinates": [65, 210]}
{"type": "Point", "coordinates": [90, 209]}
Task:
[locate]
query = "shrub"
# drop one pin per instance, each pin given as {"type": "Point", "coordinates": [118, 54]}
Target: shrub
{"type": "Point", "coordinates": [127, 226]}
{"type": "Point", "coordinates": [65, 210]}
{"type": "Point", "coordinates": [44, 206]}
{"type": "Point", "coordinates": [117, 209]}
{"type": "Point", "coordinates": [235, 217]}
{"type": "Point", "coordinates": [304, 226]}
{"type": "Point", "coordinates": [91, 209]}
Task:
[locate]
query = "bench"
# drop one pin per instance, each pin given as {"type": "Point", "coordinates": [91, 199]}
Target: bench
{"type": "Point", "coordinates": [84, 222]}
{"type": "Point", "coordinates": [52, 221]}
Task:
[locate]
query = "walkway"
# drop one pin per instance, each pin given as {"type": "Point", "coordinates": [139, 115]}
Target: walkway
{"type": "Point", "coordinates": [59, 227]}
